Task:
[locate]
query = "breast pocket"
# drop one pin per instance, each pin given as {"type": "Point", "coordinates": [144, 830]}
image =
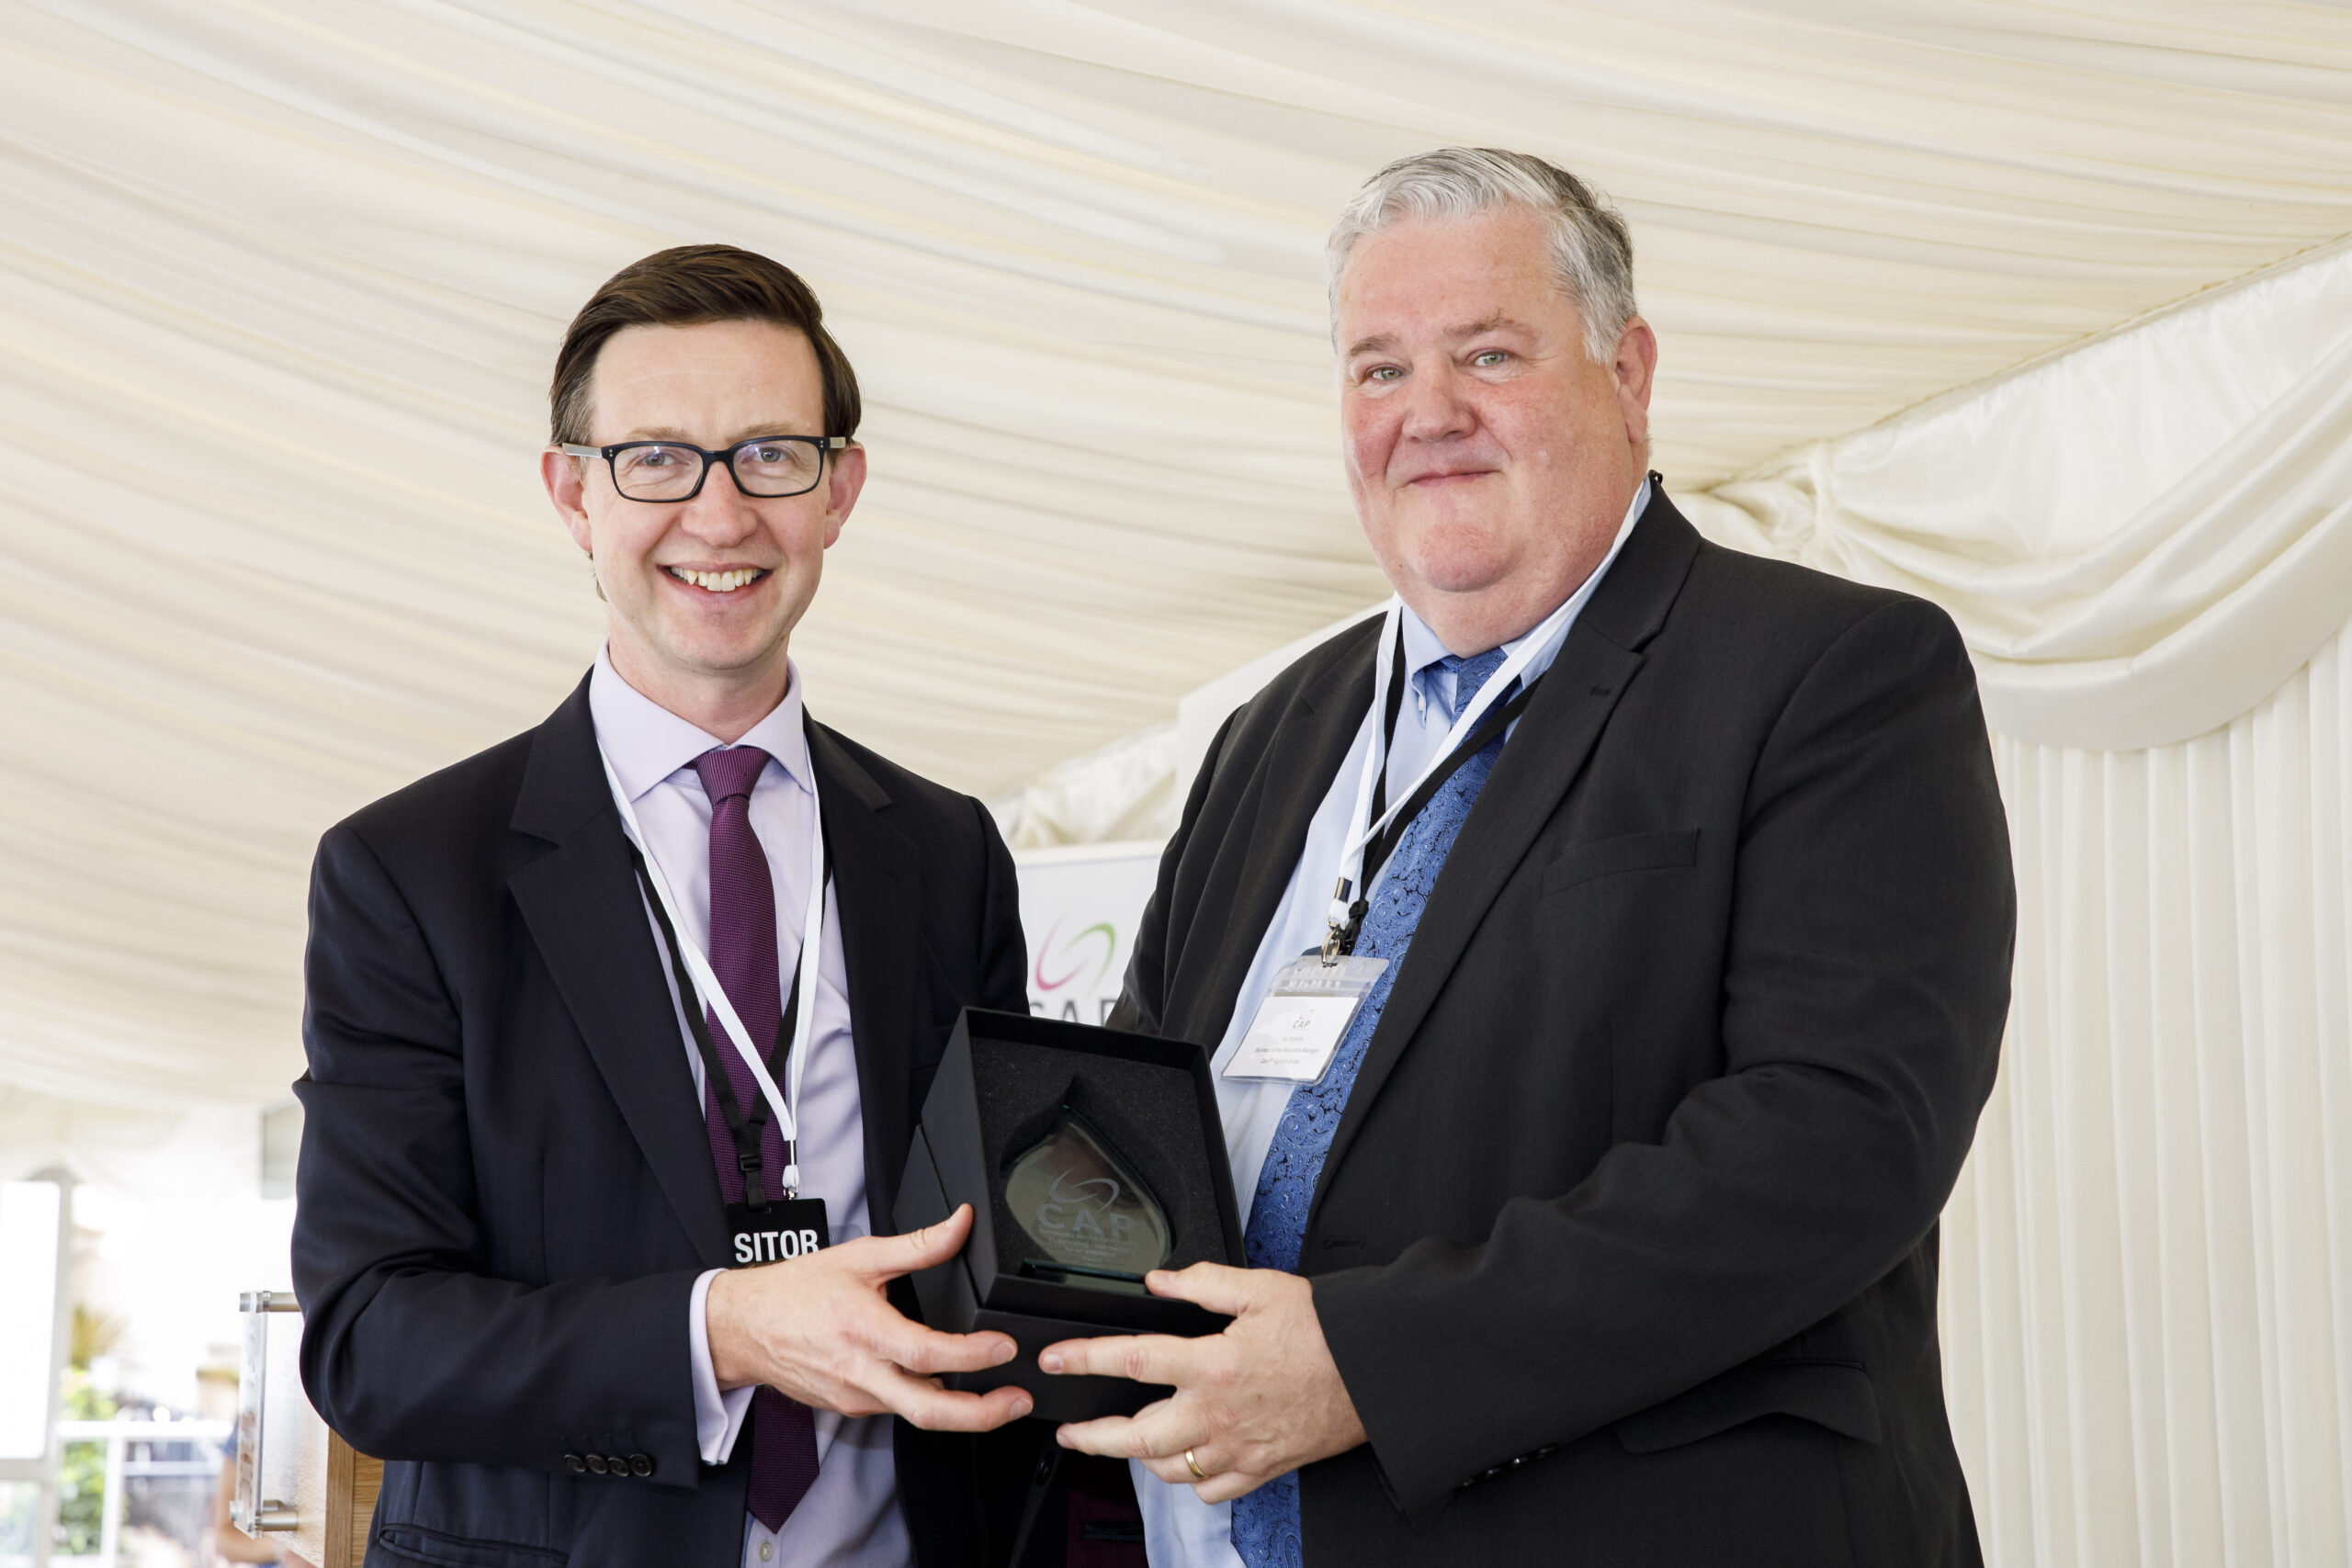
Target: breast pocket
{"type": "Point", "coordinates": [1580, 864]}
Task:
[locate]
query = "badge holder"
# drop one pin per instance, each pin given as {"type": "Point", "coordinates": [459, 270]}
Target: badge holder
{"type": "Point", "coordinates": [1304, 1018]}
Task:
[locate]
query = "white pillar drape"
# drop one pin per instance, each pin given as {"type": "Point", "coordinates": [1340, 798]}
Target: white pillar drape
{"type": "Point", "coordinates": [2147, 542]}
{"type": "Point", "coordinates": [2148, 1262]}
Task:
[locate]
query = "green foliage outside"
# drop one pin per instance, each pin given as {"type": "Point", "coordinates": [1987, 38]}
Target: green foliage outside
{"type": "Point", "coordinates": [81, 1479]}
{"type": "Point", "coordinates": [81, 1499]}
{"type": "Point", "coordinates": [94, 1334]}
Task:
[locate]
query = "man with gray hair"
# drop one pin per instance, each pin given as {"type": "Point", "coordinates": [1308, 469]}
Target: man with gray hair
{"type": "Point", "coordinates": [1604, 955]}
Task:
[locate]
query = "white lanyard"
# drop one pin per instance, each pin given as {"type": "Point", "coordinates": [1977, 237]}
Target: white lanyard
{"type": "Point", "coordinates": [812, 932]}
{"type": "Point", "coordinates": [1392, 639]}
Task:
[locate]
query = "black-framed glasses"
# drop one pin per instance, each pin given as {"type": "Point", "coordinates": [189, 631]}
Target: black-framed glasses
{"type": "Point", "coordinates": [768, 467]}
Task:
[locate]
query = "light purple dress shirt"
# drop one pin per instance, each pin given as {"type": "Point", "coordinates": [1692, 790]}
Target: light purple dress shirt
{"type": "Point", "coordinates": [851, 1514]}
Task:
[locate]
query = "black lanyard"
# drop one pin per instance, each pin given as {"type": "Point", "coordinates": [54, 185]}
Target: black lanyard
{"type": "Point", "coordinates": [745, 1130]}
{"type": "Point", "coordinates": [1381, 845]}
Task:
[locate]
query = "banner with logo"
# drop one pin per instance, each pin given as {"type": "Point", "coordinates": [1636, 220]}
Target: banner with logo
{"type": "Point", "coordinates": [1079, 906]}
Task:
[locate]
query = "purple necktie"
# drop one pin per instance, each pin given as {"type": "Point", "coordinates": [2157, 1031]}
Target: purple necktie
{"type": "Point", "coordinates": [743, 956]}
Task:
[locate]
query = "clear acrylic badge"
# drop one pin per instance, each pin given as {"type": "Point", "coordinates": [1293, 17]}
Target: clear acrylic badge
{"type": "Point", "coordinates": [1304, 1018]}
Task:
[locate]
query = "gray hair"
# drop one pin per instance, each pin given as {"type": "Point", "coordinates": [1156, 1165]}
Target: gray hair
{"type": "Point", "coordinates": [1592, 255]}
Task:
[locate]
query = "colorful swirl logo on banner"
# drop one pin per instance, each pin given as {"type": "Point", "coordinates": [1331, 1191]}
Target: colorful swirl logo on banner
{"type": "Point", "coordinates": [1075, 954]}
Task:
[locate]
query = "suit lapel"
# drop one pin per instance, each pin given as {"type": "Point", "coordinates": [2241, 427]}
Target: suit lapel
{"type": "Point", "coordinates": [877, 889]}
{"type": "Point", "coordinates": [581, 905]}
{"type": "Point", "coordinates": [1597, 662]}
{"type": "Point", "coordinates": [1293, 776]}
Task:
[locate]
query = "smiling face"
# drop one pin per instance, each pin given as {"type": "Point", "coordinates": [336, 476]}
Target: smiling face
{"type": "Point", "coordinates": [1490, 461]}
{"type": "Point", "coordinates": [703, 594]}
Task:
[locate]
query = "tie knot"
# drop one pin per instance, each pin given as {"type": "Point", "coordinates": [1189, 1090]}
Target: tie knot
{"type": "Point", "coordinates": [729, 770]}
{"type": "Point", "coordinates": [1471, 673]}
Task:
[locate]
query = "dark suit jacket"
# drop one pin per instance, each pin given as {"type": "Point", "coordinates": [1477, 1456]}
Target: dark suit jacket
{"type": "Point", "coordinates": [1625, 1244]}
{"type": "Point", "coordinates": [506, 1192]}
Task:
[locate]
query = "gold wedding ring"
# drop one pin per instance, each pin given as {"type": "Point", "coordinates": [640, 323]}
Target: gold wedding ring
{"type": "Point", "coordinates": [1194, 1466]}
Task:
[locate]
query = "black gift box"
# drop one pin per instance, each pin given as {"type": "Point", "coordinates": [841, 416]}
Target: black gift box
{"type": "Point", "coordinates": [1003, 1081]}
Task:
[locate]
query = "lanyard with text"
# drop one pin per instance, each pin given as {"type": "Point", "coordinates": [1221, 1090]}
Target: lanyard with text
{"type": "Point", "coordinates": [759, 1237]}
{"type": "Point", "coordinates": [1313, 998]}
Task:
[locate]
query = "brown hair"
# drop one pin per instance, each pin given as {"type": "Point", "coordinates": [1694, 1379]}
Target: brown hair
{"type": "Point", "coordinates": [685, 287]}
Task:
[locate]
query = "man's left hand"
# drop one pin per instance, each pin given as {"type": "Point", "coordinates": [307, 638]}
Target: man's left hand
{"type": "Point", "coordinates": [1259, 1399]}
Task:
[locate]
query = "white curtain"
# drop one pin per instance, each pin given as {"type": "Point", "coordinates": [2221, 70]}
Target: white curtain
{"type": "Point", "coordinates": [1128, 790]}
{"type": "Point", "coordinates": [2140, 538]}
{"type": "Point", "coordinates": [2147, 1300]}
{"type": "Point", "coordinates": [2148, 1262]}
{"type": "Point", "coordinates": [280, 282]}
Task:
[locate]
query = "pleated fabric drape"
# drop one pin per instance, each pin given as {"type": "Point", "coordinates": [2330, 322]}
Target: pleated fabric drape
{"type": "Point", "coordinates": [2139, 537]}
{"type": "Point", "coordinates": [280, 282]}
{"type": "Point", "coordinates": [2147, 1294]}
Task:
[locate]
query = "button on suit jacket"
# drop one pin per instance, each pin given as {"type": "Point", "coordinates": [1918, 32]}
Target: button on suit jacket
{"type": "Point", "coordinates": [506, 1189]}
{"type": "Point", "coordinates": [1625, 1244]}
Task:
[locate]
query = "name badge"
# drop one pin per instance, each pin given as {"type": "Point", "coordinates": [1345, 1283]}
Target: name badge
{"type": "Point", "coordinates": [1304, 1018]}
{"type": "Point", "coordinates": [787, 1228]}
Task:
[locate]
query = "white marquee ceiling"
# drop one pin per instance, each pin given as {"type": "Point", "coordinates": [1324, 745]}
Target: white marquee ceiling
{"type": "Point", "coordinates": [279, 283]}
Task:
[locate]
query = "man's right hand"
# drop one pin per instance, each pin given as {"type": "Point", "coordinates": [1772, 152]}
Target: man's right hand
{"type": "Point", "coordinates": [820, 1330]}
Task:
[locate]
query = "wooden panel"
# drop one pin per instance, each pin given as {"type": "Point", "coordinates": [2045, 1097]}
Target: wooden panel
{"type": "Point", "coordinates": [334, 1496]}
{"type": "Point", "coordinates": [353, 1480]}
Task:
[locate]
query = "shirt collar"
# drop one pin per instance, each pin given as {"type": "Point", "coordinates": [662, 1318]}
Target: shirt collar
{"type": "Point", "coordinates": [1422, 649]}
{"type": "Point", "coordinates": [647, 742]}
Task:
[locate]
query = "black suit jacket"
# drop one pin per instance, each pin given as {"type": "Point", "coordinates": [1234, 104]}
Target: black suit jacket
{"type": "Point", "coordinates": [506, 1191]}
{"type": "Point", "coordinates": [1625, 1244]}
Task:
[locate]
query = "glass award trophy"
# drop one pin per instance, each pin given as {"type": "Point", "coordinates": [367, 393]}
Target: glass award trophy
{"type": "Point", "coordinates": [1090, 1157]}
{"type": "Point", "coordinates": [1090, 1217]}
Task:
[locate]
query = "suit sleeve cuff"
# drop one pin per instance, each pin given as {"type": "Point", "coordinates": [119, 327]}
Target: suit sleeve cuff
{"type": "Point", "coordinates": [717, 1417]}
{"type": "Point", "coordinates": [1418, 1467]}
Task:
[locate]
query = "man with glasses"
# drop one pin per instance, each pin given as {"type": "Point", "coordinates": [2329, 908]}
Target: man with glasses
{"type": "Point", "coordinates": [617, 1030]}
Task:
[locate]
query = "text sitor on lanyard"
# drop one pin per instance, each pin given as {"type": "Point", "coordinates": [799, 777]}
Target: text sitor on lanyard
{"type": "Point", "coordinates": [698, 984]}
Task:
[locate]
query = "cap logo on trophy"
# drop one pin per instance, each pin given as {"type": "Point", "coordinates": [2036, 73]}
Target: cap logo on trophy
{"type": "Point", "coordinates": [1086, 1209]}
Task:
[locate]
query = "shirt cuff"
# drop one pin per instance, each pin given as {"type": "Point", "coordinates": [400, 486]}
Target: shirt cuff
{"type": "Point", "coordinates": [717, 1417]}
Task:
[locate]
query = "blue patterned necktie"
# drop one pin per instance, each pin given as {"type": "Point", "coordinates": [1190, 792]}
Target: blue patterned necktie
{"type": "Point", "coordinates": [1265, 1522]}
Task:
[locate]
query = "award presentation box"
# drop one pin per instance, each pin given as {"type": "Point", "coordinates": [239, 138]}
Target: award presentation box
{"type": "Point", "coordinates": [1090, 1156]}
